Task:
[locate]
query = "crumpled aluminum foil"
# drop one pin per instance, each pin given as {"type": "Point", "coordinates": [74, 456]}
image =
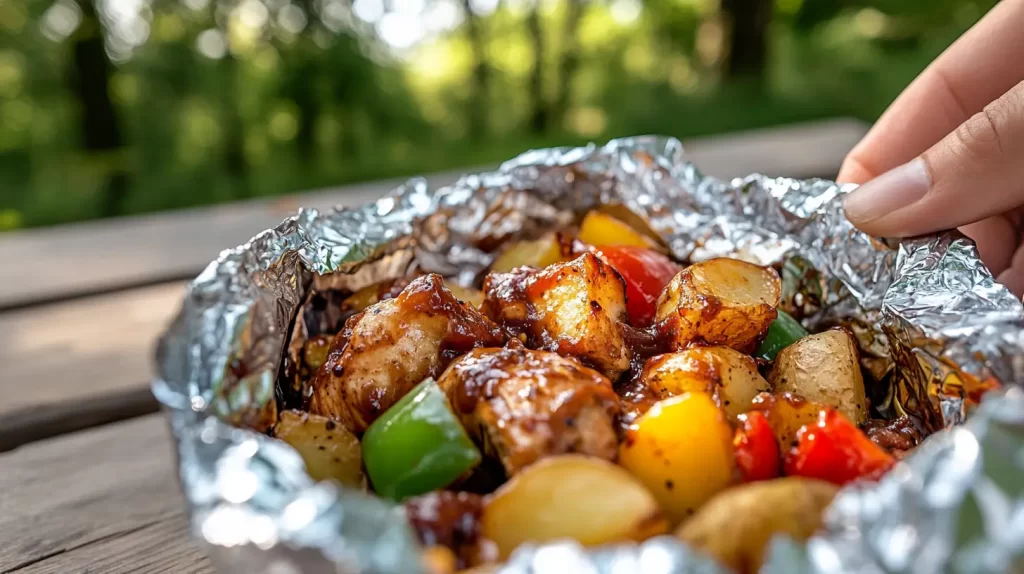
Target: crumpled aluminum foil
{"type": "Point", "coordinates": [934, 329]}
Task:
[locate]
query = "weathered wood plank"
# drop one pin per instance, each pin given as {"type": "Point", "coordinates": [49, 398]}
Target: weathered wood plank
{"type": "Point", "coordinates": [805, 150]}
{"type": "Point", "coordinates": [162, 547]}
{"type": "Point", "coordinates": [103, 500]}
{"type": "Point", "coordinates": [49, 264]}
{"type": "Point", "coordinates": [82, 363]}
{"type": "Point", "coordinates": [42, 265]}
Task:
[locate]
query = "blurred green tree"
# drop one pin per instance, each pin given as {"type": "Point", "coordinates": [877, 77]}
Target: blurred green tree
{"type": "Point", "coordinates": [110, 107]}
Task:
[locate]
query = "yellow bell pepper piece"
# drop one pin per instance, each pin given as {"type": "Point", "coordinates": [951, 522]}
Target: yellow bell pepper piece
{"type": "Point", "coordinates": [681, 450]}
{"type": "Point", "coordinates": [538, 253]}
{"type": "Point", "coordinates": [603, 229]}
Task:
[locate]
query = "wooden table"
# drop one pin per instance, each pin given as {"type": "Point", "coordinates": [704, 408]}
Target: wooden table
{"type": "Point", "coordinates": [87, 478]}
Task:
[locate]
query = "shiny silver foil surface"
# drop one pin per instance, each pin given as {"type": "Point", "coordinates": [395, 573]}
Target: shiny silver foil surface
{"type": "Point", "coordinates": [935, 331]}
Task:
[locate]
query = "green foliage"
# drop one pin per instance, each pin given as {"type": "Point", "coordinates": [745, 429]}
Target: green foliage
{"type": "Point", "coordinates": [217, 100]}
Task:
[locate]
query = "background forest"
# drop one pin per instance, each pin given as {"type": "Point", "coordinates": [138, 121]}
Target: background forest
{"type": "Point", "coordinates": [112, 107]}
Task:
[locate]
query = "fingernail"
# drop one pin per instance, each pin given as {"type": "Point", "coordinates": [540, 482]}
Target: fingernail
{"type": "Point", "coordinates": [896, 188]}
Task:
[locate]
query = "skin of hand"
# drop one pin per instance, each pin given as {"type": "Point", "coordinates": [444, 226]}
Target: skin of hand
{"type": "Point", "coordinates": [949, 152]}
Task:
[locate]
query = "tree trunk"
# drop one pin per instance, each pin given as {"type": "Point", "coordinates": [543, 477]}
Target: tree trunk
{"type": "Point", "coordinates": [569, 61]}
{"type": "Point", "coordinates": [306, 89]}
{"type": "Point", "coordinates": [100, 131]}
{"type": "Point", "coordinates": [234, 130]}
{"type": "Point", "coordinates": [748, 40]}
{"type": "Point", "coordinates": [481, 75]}
{"type": "Point", "coordinates": [304, 94]}
{"type": "Point", "coordinates": [539, 111]}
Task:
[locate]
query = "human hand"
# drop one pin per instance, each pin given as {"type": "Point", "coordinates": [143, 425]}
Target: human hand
{"type": "Point", "coordinates": [949, 152]}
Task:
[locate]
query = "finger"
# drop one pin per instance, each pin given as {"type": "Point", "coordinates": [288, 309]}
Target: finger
{"type": "Point", "coordinates": [1013, 277]}
{"type": "Point", "coordinates": [984, 63]}
{"type": "Point", "coordinates": [852, 171]}
{"type": "Point", "coordinates": [997, 240]}
{"type": "Point", "coordinates": [973, 173]}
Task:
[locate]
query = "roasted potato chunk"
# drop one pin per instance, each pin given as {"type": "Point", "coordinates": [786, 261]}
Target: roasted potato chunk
{"type": "Point", "coordinates": [571, 496]}
{"type": "Point", "coordinates": [729, 376]}
{"type": "Point", "coordinates": [522, 405]}
{"type": "Point", "coordinates": [576, 308]}
{"type": "Point", "coordinates": [385, 351]}
{"type": "Point", "coordinates": [721, 301]}
{"type": "Point", "coordinates": [736, 526]}
{"type": "Point", "coordinates": [328, 449]}
{"type": "Point", "coordinates": [823, 368]}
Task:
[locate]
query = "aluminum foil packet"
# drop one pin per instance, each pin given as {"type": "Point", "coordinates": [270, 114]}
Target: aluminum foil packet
{"type": "Point", "coordinates": [935, 333]}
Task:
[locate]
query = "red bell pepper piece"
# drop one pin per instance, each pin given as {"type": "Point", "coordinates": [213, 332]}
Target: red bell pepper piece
{"type": "Point", "coordinates": [757, 451]}
{"type": "Point", "coordinates": [646, 272]}
{"type": "Point", "coordinates": [834, 449]}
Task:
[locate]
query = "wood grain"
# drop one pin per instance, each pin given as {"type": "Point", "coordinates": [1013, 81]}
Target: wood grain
{"type": "Point", "coordinates": [73, 365]}
{"type": "Point", "coordinates": [84, 362]}
{"type": "Point", "coordinates": [161, 547]}
{"type": "Point", "coordinates": [103, 500]}
{"type": "Point", "coordinates": [49, 264]}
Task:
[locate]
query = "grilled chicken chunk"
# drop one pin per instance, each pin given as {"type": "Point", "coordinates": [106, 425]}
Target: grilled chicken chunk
{"type": "Point", "coordinates": [523, 405]}
{"type": "Point", "coordinates": [383, 352]}
{"type": "Point", "coordinates": [577, 308]}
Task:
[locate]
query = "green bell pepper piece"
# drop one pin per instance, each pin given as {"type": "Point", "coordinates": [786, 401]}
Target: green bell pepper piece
{"type": "Point", "coordinates": [783, 332]}
{"type": "Point", "coordinates": [418, 445]}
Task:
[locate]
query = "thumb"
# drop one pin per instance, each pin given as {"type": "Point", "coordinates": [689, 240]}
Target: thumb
{"type": "Point", "coordinates": [973, 173]}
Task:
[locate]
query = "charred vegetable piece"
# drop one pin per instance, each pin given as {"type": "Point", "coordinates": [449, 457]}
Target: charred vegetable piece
{"type": "Point", "coordinates": [786, 414]}
{"type": "Point", "coordinates": [417, 446]}
{"type": "Point", "coordinates": [757, 451]}
{"type": "Point", "coordinates": [729, 376]}
{"type": "Point", "coordinates": [576, 308]}
{"type": "Point", "coordinates": [823, 368]}
{"type": "Point", "coordinates": [524, 405]}
{"type": "Point", "coordinates": [602, 229]}
{"type": "Point", "coordinates": [385, 351]}
{"type": "Point", "coordinates": [897, 436]}
{"type": "Point", "coordinates": [681, 450]}
{"type": "Point", "coordinates": [451, 520]}
{"type": "Point", "coordinates": [721, 301]}
{"type": "Point", "coordinates": [646, 273]}
{"type": "Point", "coordinates": [835, 450]}
{"type": "Point", "coordinates": [571, 496]}
{"type": "Point", "coordinates": [783, 332]}
{"type": "Point", "coordinates": [328, 449]}
{"type": "Point", "coordinates": [537, 253]}
{"type": "Point", "coordinates": [736, 526]}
